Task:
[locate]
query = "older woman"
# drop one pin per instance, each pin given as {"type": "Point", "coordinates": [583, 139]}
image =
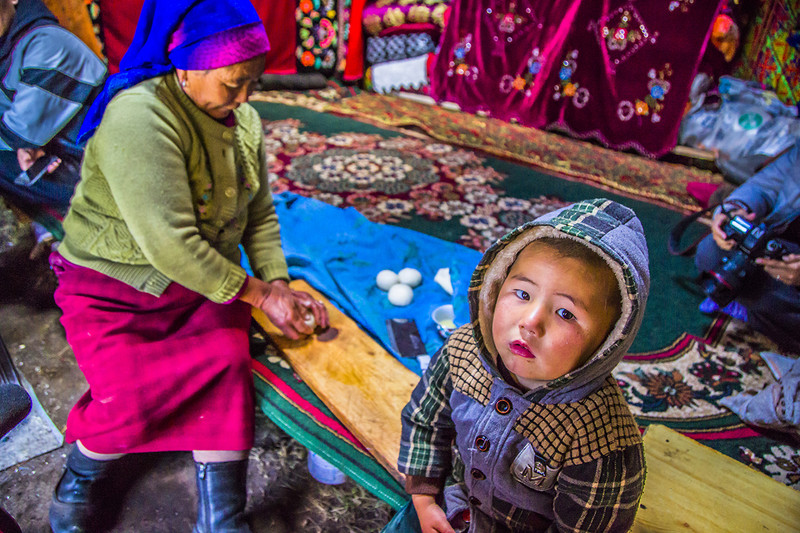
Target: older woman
{"type": "Point", "coordinates": [154, 300]}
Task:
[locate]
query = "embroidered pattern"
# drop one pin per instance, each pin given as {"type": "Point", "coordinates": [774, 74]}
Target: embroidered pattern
{"type": "Point", "coordinates": [458, 60]}
{"type": "Point", "coordinates": [682, 5]}
{"type": "Point", "coordinates": [317, 34]}
{"type": "Point", "coordinates": [525, 81]}
{"type": "Point", "coordinates": [567, 88]}
{"type": "Point", "coordinates": [653, 103]}
{"type": "Point", "coordinates": [508, 22]}
{"type": "Point", "coordinates": [622, 33]}
{"type": "Point", "coordinates": [617, 38]}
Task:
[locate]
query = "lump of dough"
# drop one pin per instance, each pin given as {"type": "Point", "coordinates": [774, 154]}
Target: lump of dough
{"type": "Point", "coordinates": [410, 276]}
{"type": "Point", "coordinates": [385, 279]}
{"type": "Point", "coordinates": [400, 295]}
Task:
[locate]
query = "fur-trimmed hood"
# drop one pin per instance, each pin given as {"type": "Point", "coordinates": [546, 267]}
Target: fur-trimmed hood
{"type": "Point", "coordinates": [612, 231]}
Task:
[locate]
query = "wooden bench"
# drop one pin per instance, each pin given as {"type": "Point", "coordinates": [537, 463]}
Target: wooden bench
{"type": "Point", "coordinates": [689, 486]}
{"type": "Point", "coordinates": [359, 381]}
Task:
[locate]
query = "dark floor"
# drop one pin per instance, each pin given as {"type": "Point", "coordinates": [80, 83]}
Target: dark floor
{"type": "Point", "coordinates": [282, 496]}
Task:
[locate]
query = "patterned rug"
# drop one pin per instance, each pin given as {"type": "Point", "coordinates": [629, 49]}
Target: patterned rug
{"type": "Point", "coordinates": [626, 174]}
{"type": "Point", "coordinates": [682, 363]}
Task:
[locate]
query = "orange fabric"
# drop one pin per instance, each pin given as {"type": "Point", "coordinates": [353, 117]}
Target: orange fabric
{"type": "Point", "coordinates": [74, 16]}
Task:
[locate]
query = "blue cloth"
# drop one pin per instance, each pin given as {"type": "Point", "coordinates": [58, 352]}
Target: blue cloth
{"type": "Point", "coordinates": [148, 56]}
{"type": "Point", "coordinates": [339, 252]}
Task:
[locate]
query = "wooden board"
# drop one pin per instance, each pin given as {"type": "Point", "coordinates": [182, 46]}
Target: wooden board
{"type": "Point", "coordinates": [691, 487]}
{"type": "Point", "coordinates": [364, 385]}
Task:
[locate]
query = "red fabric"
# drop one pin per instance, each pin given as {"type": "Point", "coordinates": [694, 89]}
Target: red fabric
{"type": "Point", "coordinates": [616, 71]}
{"type": "Point", "coordinates": [119, 18]}
{"type": "Point", "coordinates": [411, 27]}
{"type": "Point", "coordinates": [118, 23]}
{"type": "Point", "coordinates": [354, 66]}
{"type": "Point", "coordinates": [168, 373]}
{"type": "Point", "coordinates": [701, 191]}
{"type": "Point", "coordinates": [278, 18]}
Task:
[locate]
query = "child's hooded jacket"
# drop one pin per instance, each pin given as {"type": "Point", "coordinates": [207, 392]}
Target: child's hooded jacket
{"type": "Point", "coordinates": [565, 456]}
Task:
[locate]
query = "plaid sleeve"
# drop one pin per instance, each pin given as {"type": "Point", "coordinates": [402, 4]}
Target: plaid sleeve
{"type": "Point", "coordinates": [602, 495]}
{"type": "Point", "coordinates": [428, 431]}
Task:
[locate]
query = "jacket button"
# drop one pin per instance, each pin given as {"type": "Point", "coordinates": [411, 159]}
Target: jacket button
{"type": "Point", "coordinates": [503, 406]}
{"type": "Point", "coordinates": [474, 501]}
{"type": "Point", "coordinates": [230, 192]}
{"type": "Point", "coordinates": [477, 474]}
{"type": "Point", "coordinates": [227, 135]}
{"type": "Point", "coordinates": [482, 443]}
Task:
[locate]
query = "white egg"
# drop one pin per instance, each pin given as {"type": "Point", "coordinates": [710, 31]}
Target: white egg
{"type": "Point", "coordinates": [410, 276]}
{"type": "Point", "coordinates": [385, 279]}
{"type": "Point", "coordinates": [400, 295]}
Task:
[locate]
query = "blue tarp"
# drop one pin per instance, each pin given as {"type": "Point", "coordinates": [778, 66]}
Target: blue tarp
{"type": "Point", "coordinates": [339, 252]}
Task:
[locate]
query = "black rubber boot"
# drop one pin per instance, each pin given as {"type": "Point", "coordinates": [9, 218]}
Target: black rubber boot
{"type": "Point", "coordinates": [221, 497]}
{"type": "Point", "coordinates": [78, 500]}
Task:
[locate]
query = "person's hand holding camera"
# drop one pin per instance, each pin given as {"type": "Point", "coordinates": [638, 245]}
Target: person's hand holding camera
{"type": "Point", "coordinates": [718, 222]}
{"type": "Point", "coordinates": [786, 269]}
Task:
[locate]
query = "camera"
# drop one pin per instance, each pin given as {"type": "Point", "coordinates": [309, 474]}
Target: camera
{"type": "Point", "coordinates": [752, 241]}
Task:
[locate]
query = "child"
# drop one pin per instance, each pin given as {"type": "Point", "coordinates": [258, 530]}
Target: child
{"type": "Point", "coordinates": [517, 424]}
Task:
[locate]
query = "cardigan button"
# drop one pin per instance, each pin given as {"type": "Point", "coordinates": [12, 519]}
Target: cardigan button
{"type": "Point", "coordinates": [482, 443]}
{"type": "Point", "coordinates": [230, 192]}
{"type": "Point", "coordinates": [503, 406]}
{"type": "Point", "coordinates": [474, 501]}
{"type": "Point", "coordinates": [227, 135]}
{"type": "Point", "coordinates": [477, 474]}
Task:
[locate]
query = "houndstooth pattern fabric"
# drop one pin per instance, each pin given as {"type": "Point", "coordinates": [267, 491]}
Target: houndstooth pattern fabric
{"type": "Point", "coordinates": [584, 431]}
{"type": "Point", "coordinates": [467, 372]}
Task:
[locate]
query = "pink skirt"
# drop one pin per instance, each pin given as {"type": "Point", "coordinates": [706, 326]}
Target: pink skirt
{"type": "Point", "coordinates": [165, 373]}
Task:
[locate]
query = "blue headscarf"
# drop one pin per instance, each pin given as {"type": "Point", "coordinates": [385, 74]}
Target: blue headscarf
{"type": "Point", "coordinates": [148, 54]}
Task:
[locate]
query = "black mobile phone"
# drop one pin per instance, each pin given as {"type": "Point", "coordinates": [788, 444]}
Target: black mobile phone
{"type": "Point", "coordinates": [35, 172]}
{"type": "Point", "coordinates": [405, 337]}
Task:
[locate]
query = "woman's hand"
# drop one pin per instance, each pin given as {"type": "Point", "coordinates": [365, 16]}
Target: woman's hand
{"type": "Point", "coordinates": [313, 307]}
{"type": "Point", "coordinates": [287, 309]}
{"type": "Point", "coordinates": [786, 269]}
{"type": "Point", "coordinates": [27, 156]}
{"type": "Point", "coordinates": [431, 516]}
{"type": "Point", "coordinates": [720, 219]}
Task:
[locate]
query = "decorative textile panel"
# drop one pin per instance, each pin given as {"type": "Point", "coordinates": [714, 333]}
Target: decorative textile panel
{"type": "Point", "coordinates": [617, 71]}
{"type": "Point", "coordinates": [381, 14]}
{"type": "Point", "coordinates": [374, 17]}
{"type": "Point", "coordinates": [395, 47]}
{"type": "Point", "coordinates": [317, 36]}
{"type": "Point", "coordinates": [767, 57]}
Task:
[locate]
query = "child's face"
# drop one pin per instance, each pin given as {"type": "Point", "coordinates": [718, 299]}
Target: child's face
{"type": "Point", "coordinates": [552, 312]}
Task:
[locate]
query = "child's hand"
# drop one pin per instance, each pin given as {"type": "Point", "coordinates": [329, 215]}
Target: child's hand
{"type": "Point", "coordinates": [431, 516]}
